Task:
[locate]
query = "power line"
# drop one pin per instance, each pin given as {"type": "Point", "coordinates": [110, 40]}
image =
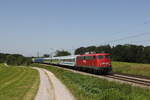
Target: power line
{"type": "Point", "coordinates": [140, 41]}
{"type": "Point", "coordinates": [126, 38]}
{"type": "Point", "coordinates": [135, 26]}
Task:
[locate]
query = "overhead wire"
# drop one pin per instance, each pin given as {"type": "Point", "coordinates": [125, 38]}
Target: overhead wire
{"type": "Point", "coordinates": [127, 37]}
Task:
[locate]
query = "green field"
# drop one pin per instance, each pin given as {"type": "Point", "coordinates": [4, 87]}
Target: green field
{"type": "Point", "coordinates": [131, 68]}
{"type": "Point", "coordinates": [91, 88]}
{"type": "Point", "coordinates": [18, 83]}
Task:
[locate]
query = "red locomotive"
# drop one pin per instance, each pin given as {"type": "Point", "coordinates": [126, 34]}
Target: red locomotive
{"type": "Point", "coordinates": [100, 62]}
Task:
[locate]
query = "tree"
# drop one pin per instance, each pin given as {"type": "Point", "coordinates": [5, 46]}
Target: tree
{"type": "Point", "coordinates": [103, 49]}
{"type": "Point", "coordinates": [46, 55]}
{"type": "Point", "coordinates": [91, 49]}
{"type": "Point", "coordinates": [14, 59]}
{"type": "Point", "coordinates": [62, 53]}
{"type": "Point", "coordinates": [146, 55]}
{"type": "Point", "coordinates": [81, 50]}
{"type": "Point", "coordinates": [11, 60]}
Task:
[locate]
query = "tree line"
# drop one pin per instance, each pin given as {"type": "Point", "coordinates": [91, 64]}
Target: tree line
{"type": "Point", "coordinates": [57, 54]}
{"type": "Point", "coordinates": [15, 59]}
{"type": "Point", "coordinates": [62, 53]}
{"type": "Point", "coordinates": [125, 53]}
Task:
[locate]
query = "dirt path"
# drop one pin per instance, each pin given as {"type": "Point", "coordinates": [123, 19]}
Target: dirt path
{"type": "Point", "coordinates": [51, 88]}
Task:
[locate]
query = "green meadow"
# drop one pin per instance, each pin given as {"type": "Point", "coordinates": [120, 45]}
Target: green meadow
{"type": "Point", "coordinates": [18, 83]}
{"type": "Point", "coordinates": [131, 68]}
{"type": "Point", "coordinates": [91, 88]}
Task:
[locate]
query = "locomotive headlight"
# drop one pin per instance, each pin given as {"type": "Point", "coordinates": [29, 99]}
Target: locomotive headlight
{"type": "Point", "coordinates": [107, 63]}
{"type": "Point", "coordinates": [103, 63]}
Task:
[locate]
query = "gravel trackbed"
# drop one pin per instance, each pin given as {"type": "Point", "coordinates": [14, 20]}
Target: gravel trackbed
{"type": "Point", "coordinates": [51, 88]}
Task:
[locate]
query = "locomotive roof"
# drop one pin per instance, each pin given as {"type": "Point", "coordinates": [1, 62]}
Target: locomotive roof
{"type": "Point", "coordinates": [96, 54]}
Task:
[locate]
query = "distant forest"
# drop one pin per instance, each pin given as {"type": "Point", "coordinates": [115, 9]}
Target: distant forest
{"type": "Point", "coordinates": [14, 59]}
{"type": "Point", "coordinates": [125, 53]}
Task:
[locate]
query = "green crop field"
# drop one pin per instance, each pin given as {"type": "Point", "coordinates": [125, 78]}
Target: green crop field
{"type": "Point", "coordinates": [18, 83]}
{"type": "Point", "coordinates": [91, 88]}
{"type": "Point", "coordinates": [131, 68]}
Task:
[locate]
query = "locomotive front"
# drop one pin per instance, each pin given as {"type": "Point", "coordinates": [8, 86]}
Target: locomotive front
{"type": "Point", "coordinates": [104, 62]}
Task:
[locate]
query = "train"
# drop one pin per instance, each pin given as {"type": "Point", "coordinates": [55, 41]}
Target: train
{"type": "Point", "coordinates": [99, 62]}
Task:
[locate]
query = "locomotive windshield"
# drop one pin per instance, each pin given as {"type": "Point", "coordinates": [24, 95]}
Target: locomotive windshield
{"type": "Point", "coordinates": [108, 56]}
{"type": "Point", "coordinates": [100, 57]}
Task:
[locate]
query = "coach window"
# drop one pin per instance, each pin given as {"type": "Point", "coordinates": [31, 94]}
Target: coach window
{"type": "Point", "coordinates": [73, 60]}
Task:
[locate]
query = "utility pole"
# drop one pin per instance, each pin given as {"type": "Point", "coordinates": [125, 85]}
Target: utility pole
{"type": "Point", "coordinates": [38, 54]}
{"type": "Point", "coordinates": [51, 53]}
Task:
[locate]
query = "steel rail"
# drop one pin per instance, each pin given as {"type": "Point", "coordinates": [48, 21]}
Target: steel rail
{"type": "Point", "coordinates": [141, 81]}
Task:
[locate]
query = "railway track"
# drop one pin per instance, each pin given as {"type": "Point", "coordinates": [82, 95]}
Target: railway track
{"type": "Point", "coordinates": [136, 80]}
{"type": "Point", "coordinates": [140, 81]}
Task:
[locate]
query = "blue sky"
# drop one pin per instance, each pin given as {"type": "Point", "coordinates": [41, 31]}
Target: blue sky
{"type": "Point", "coordinates": [28, 26]}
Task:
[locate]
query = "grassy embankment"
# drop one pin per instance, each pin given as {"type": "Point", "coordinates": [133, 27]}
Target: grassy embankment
{"type": "Point", "coordinates": [131, 68]}
{"type": "Point", "coordinates": [18, 83]}
{"type": "Point", "coordinates": [91, 88]}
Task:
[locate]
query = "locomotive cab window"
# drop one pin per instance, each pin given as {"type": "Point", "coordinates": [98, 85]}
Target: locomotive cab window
{"type": "Point", "coordinates": [100, 57]}
{"type": "Point", "coordinates": [108, 56]}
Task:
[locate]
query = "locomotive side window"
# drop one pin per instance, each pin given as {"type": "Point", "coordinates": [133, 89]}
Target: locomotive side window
{"type": "Point", "coordinates": [89, 57]}
{"type": "Point", "coordinates": [85, 58]}
{"type": "Point", "coordinates": [81, 58]}
{"type": "Point", "coordinates": [94, 57]}
{"type": "Point", "coordinates": [100, 57]}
